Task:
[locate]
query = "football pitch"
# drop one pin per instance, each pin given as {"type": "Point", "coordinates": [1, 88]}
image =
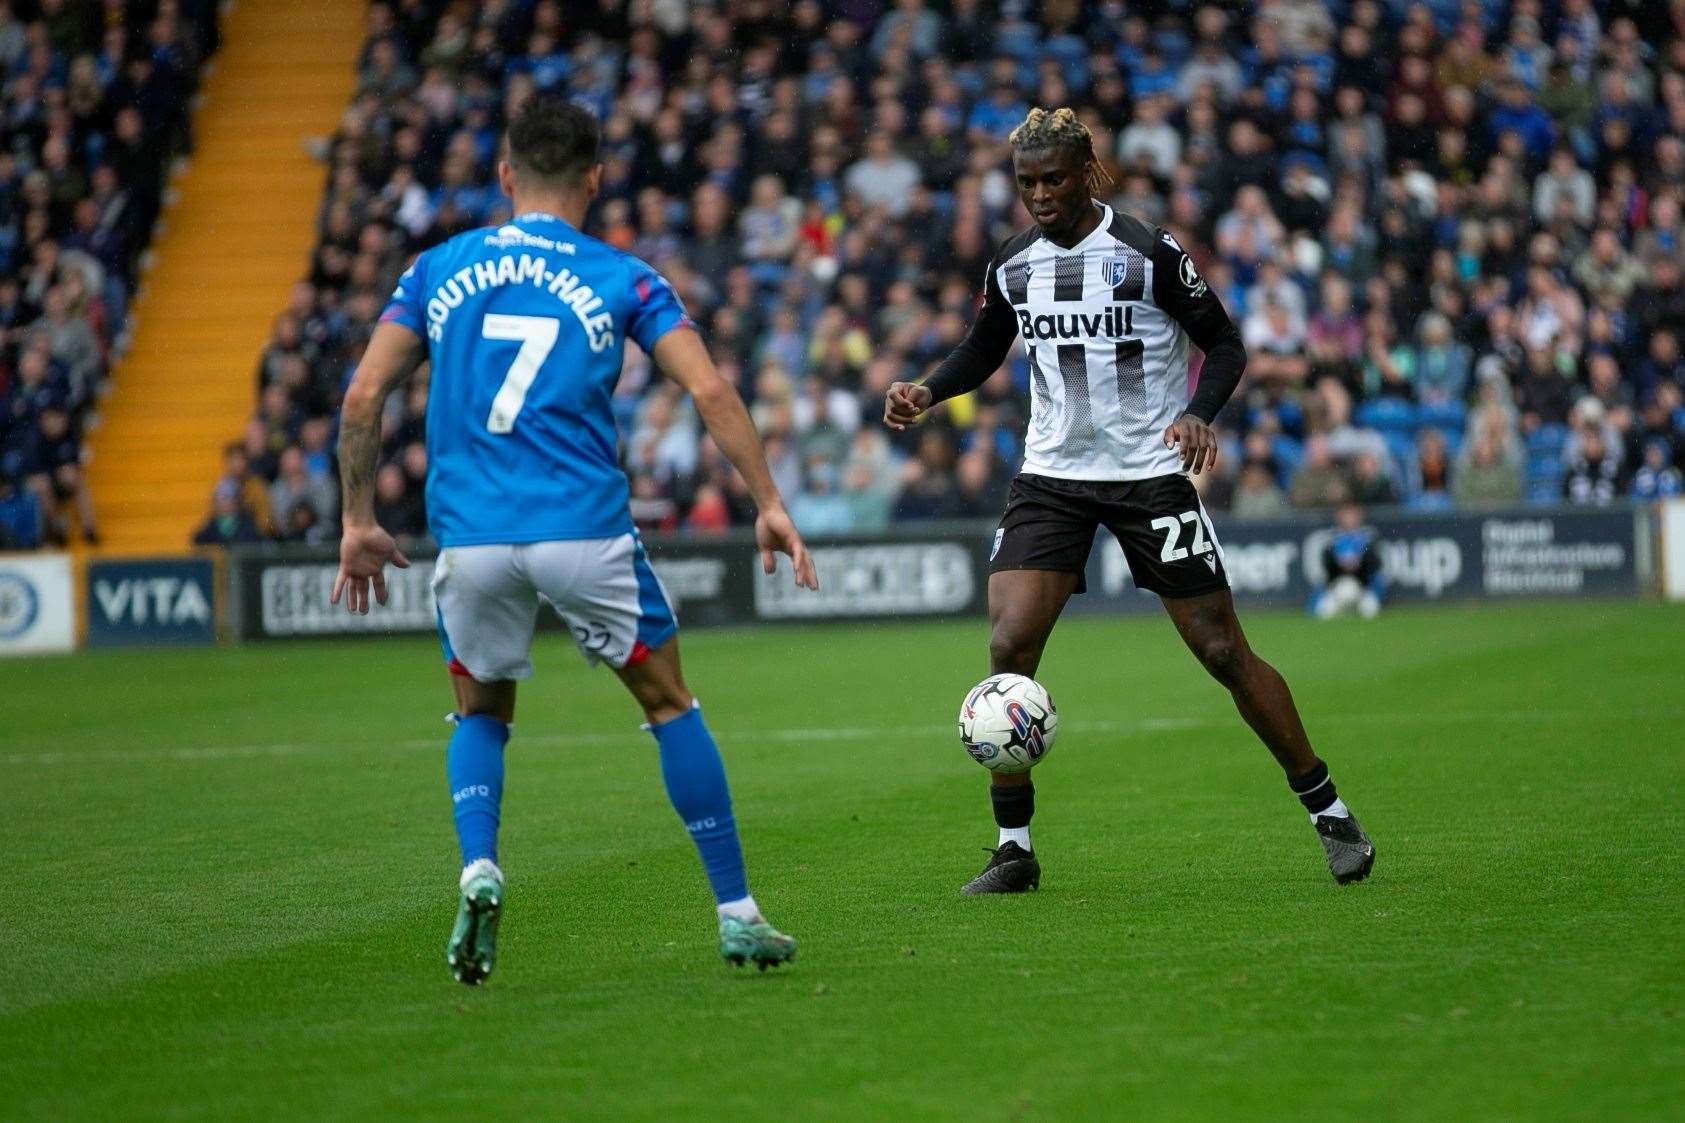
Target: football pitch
{"type": "Point", "coordinates": [232, 873]}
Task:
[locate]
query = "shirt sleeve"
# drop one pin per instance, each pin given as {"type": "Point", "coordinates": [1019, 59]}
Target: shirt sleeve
{"type": "Point", "coordinates": [656, 308]}
{"type": "Point", "coordinates": [405, 306]}
{"type": "Point", "coordinates": [982, 350]}
{"type": "Point", "coordinates": [1186, 298]}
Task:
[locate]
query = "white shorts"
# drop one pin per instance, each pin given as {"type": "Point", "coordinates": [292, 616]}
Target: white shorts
{"type": "Point", "coordinates": [602, 588]}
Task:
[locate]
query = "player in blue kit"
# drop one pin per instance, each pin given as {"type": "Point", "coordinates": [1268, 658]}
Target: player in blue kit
{"type": "Point", "coordinates": [525, 326]}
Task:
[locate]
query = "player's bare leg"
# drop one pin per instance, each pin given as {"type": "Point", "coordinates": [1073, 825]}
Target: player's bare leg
{"type": "Point", "coordinates": [696, 784]}
{"type": "Point", "coordinates": [1024, 605]}
{"type": "Point", "coordinates": [474, 763]}
{"type": "Point", "coordinates": [1212, 631]}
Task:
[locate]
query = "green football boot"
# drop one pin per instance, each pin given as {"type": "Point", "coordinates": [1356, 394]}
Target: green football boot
{"type": "Point", "coordinates": [472, 950]}
{"type": "Point", "coordinates": [754, 941]}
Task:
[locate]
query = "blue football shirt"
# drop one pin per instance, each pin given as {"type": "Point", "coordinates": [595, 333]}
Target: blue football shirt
{"type": "Point", "coordinates": [526, 325]}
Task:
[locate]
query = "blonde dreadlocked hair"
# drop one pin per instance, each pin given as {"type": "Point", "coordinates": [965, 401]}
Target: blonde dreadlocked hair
{"type": "Point", "coordinates": [1059, 128]}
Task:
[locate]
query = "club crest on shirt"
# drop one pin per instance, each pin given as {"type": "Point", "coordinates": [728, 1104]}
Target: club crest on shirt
{"type": "Point", "coordinates": [1190, 276]}
{"type": "Point", "coordinates": [1113, 269]}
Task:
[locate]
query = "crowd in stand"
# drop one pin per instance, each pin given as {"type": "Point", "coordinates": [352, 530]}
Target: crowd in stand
{"type": "Point", "coordinates": [1449, 230]}
{"type": "Point", "coordinates": [94, 105]}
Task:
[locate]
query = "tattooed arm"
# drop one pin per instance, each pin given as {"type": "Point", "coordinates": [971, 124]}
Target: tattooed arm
{"type": "Point", "coordinates": [364, 548]}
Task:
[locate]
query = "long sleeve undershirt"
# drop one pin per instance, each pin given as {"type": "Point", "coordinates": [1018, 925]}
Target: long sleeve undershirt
{"type": "Point", "coordinates": [1192, 305]}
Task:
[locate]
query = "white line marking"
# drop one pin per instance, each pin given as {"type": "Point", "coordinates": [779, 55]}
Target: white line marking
{"type": "Point", "coordinates": [161, 753]}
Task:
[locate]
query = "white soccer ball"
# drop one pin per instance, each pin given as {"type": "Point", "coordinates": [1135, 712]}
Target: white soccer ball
{"type": "Point", "coordinates": [1007, 723]}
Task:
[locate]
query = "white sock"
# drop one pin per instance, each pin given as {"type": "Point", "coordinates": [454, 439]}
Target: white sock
{"type": "Point", "coordinates": [744, 908]}
{"type": "Point", "coordinates": [475, 868]}
{"type": "Point", "coordinates": [1338, 809]}
{"type": "Point", "coordinates": [1020, 835]}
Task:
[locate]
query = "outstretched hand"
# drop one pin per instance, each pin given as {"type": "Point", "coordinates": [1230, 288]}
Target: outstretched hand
{"type": "Point", "coordinates": [776, 533]}
{"type": "Point", "coordinates": [363, 554]}
{"type": "Point", "coordinates": [1198, 442]}
{"type": "Point", "coordinates": [905, 404]}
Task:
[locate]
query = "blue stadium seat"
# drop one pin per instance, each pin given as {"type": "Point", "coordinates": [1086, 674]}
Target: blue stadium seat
{"type": "Point", "coordinates": [1072, 53]}
{"type": "Point", "coordinates": [1288, 453]}
{"type": "Point", "coordinates": [1021, 40]}
{"type": "Point", "coordinates": [1547, 440]}
{"type": "Point", "coordinates": [1429, 501]}
{"type": "Point", "coordinates": [1543, 483]}
{"type": "Point", "coordinates": [1443, 415]}
{"type": "Point", "coordinates": [1389, 415]}
{"type": "Point", "coordinates": [1291, 416]}
{"type": "Point", "coordinates": [1403, 449]}
{"type": "Point", "coordinates": [20, 521]}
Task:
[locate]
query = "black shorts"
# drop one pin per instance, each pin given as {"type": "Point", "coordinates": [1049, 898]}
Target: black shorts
{"type": "Point", "coordinates": [1165, 534]}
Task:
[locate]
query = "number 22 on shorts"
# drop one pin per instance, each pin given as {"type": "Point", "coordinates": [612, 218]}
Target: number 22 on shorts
{"type": "Point", "coordinates": [1172, 551]}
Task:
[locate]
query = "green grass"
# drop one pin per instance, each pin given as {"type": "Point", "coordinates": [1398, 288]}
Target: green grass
{"type": "Point", "coordinates": [231, 874]}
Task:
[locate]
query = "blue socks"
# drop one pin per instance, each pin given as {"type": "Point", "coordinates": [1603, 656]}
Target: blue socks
{"type": "Point", "coordinates": [474, 766]}
{"type": "Point", "coordinates": [695, 778]}
{"type": "Point", "coordinates": [690, 767]}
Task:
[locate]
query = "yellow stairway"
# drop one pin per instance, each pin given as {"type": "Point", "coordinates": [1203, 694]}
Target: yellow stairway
{"type": "Point", "coordinates": [237, 238]}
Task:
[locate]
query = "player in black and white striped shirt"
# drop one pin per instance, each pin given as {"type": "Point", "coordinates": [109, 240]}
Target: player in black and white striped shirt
{"type": "Point", "coordinates": [1106, 305]}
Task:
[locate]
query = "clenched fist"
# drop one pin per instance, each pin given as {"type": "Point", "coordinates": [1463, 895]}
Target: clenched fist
{"type": "Point", "coordinates": [905, 404]}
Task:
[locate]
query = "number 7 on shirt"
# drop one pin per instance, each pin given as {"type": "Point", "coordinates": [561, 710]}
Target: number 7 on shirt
{"type": "Point", "coordinates": [537, 335]}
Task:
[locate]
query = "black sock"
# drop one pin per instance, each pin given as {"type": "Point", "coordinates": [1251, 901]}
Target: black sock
{"type": "Point", "coordinates": [1013, 806]}
{"type": "Point", "coordinates": [1315, 789]}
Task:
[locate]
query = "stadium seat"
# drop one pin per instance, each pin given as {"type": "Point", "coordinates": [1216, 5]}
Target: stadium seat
{"type": "Point", "coordinates": [1021, 40]}
{"type": "Point", "coordinates": [1402, 448]}
{"type": "Point", "coordinates": [1389, 415]}
{"type": "Point", "coordinates": [1443, 415]}
{"type": "Point", "coordinates": [1072, 53]}
{"type": "Point", "coordinates": [1291, 416]}
{"type": "Point", "coordinates": [1429, 501]}
{"type": "Point", "coordinates": [1288, 454]}
{"type": "Point", "coordinates": [1543, 482]}
{"type": "Point", "coordinates": [1547, 440]}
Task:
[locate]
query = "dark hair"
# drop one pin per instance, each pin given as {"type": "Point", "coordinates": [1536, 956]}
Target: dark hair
{"type": "Point", "coordinates": [552, 139]}
{"type": "Point", "coordinates": [1060, 129]}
